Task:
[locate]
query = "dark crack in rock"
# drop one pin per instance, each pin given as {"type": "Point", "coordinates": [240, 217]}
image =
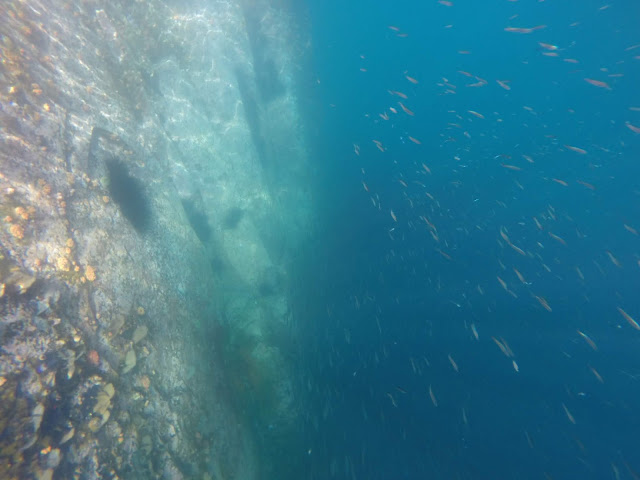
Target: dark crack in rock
{"type": "Point", "coordinates": [128, 192]}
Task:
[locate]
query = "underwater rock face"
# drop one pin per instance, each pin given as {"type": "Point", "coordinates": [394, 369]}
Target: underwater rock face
{"type": "Point", "coordinates": [109, 308]}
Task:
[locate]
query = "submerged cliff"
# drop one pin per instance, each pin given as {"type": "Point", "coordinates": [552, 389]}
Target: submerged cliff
{"type": "Point", "coordinates": [152, 194]}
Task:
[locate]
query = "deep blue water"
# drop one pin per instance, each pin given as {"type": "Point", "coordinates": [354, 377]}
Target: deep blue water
{"type": "Point", "coordinates": [396, 298]}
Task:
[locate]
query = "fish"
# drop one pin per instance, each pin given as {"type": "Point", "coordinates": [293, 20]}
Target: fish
{"type": "Point", "coordinates": [596, 374]}
{"type": "Point", "coordinates": [393, 401]}
{"type": "Point", "coordinates": [433, 397]}
{"type": "Point", "coordinates": [379, 145]}
{"type": "Point", "coordinates": [568, 413]}
{"type": "Point", "coordinates": [576, 149]}
{"type": "Point", "coordinates": [538, 224]}
{"type": "Point", "coordinates": [613, 259]}
{"type": "Point", "coordinates": [405, 109]}
{"type": "Point", "coordinates": [520, 276]}
{"type": "Point", "coordinates": [431, 225]}
{"type": "Point", "coordinates": [399, 94]}
{"type": "Point", "coordinates": [518, 249]}
{"type": "Point", "coordinates": [506, 346]}
{"type": "Point", "coordinates": [510, 167]}
{"type": "Point", "coordinates": [585, 184]}
{"type": "Point", "coordinates": [616, 472]}
{"type": "Point", "coordinates": [597, 83]}
{"type": "Point", "coordinates": [474, 330]}
{"type": "Point", "coordinates": [557, 238]}
{"type": "Point", "coordinates": [453, 363]}
{"type": "Point", "coordinates": [411, 79]}
{"type": "Point", "coordinates": [415, 140]}
{"type": "Point", "coordinates": [504, 235]}
{"type": "Point", "coordinates": [445, 255]}
{"type": "Point", "coordinates": [561, 182]}
{"type": "Point", "coordinates": [526, 434]}
{"type": "Point", "coordinates": [543, 302]}
{"type": "Point", "coordinates": [548, 46]}
{"type": "Point", "coordinates": [629, 319]}
{"type": "Point", "coordinates": [633, 128]}
{"type": "Point", "coordinates": [587, 339]}
{"type": "Point", "coordinates": [524, 30]}
{"type": "Point", "coordinates": [503, 348]}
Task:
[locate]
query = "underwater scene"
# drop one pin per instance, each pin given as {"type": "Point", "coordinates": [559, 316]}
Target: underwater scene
{"type": "Point", "coordinates": [319, 239]}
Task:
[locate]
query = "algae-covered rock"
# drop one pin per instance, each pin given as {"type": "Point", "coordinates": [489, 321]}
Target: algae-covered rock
{"type": "Point", "coordinates": [103, 402]}
{"type": "Point", "coordinates": [67, 436]}
{"type": "Point", "coordinates": [98, 421]}
{"type": "Point", "coordinates": [139, 333]}
{"type": "Point", "coordinates": [129, 361]}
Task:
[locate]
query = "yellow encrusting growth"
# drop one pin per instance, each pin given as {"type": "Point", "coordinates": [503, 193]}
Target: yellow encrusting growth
{"type": "Point", "coordinates": [17, 231]}
{"type": "Point", "coordinates": [90, 273]}
{"type": "Point", "coordinates": [62, 263]}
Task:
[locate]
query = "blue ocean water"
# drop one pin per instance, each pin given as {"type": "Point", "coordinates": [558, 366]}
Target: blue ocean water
{"type": "Point", "coordinates": [478, 271]}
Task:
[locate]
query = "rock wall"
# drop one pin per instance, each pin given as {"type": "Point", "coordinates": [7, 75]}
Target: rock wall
{"type": "Point", "coordinates": [152, 196]}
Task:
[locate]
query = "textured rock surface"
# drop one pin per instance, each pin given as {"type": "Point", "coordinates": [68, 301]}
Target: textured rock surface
{"type": "Point", "coordinates": [150, 164]}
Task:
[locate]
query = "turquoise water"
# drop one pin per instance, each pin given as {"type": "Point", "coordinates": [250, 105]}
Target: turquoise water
{"type": "Point", "coordinates": [479, 288]}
